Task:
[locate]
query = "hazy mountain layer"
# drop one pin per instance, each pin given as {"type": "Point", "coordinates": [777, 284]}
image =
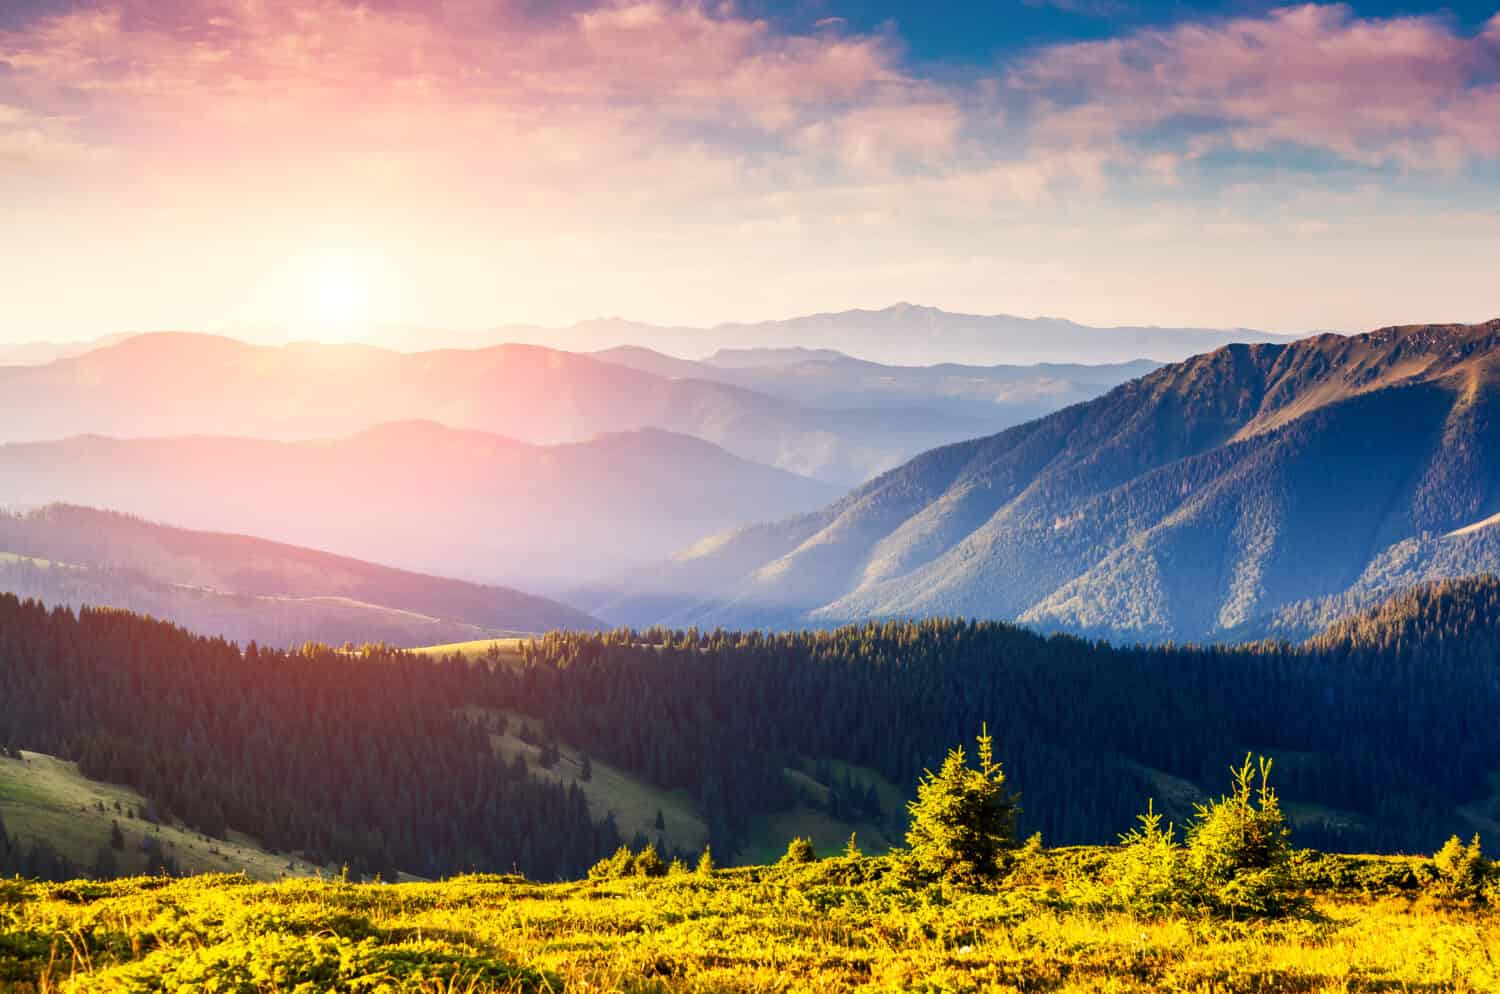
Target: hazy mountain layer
{"type": "Point", "coordinates": [905, 334]}
{"type": "Point", "coordinates": [246, 588]}
{"type": "Point", "coordinates": [422, 496]}
{"type": "Point", "coordinates": [162, 385]}
{"type": "Point", "coordinates": [1198, 501]}
{"type": "Point", "coordinates": [822, 378]}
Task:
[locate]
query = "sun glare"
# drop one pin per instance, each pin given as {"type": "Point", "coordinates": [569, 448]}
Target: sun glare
{"type": "Point", "coordinates": [337, 298]}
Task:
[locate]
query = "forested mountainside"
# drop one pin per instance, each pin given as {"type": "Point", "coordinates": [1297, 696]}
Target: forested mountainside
{"type": "Point", "coordinates": [423, 496]}
{"type": "Point", "coordinates": [358, 757]}
{"type": "Point", "coordinates": [1228, 495]}
{"type": "Point", "coordinates": [1382, 729]}
{"type": "Point", "coordinates": [250, 589]}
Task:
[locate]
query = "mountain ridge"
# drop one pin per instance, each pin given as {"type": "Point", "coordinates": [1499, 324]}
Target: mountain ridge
{"type": "Point", "coordinates": [1150, 512]}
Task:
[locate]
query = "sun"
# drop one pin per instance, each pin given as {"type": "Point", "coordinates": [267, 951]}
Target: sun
{"type": "Point", "coordinates": [338, 300]}
{"type": "Point", "coordinates": [336, 297]}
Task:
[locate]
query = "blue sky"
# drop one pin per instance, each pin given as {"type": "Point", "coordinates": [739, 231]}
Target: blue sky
{"type": "Point", "coordinates": [220, 164]}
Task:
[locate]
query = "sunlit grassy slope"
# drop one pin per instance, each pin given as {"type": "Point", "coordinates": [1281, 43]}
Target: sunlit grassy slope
{"type": "Point", "coordinates": [1369, 927]}
{"type": "Point", "coordinates": [45, 798]}
{"type": "Point", "coordinates": [508, 649]}
{"type": "Point", "coordinates": [635, 804]}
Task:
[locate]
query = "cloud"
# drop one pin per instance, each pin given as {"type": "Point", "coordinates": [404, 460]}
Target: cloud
{"type": "Point", "coordinates": [1408, 90]}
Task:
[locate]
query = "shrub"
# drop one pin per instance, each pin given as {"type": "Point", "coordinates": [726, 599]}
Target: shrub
{"type": "Point", "coordinates": [1237, 847]}
{"type": "Point", "coordinates": [799, 850]}
{"type": "Point", "coordinates": [649, 864]}
{"type": "Point", "coordinates": [963, 819]}
{"type": "Point", "coordinates": [1148, 874]}
{"type": "Point", "coordinates": [621, 864]}
{"type": "Point", "coordinates": [1462, 870]}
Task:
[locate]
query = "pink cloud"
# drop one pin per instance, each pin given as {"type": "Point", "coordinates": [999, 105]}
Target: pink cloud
{"type": "Point", "coordinates": [1371, 90]}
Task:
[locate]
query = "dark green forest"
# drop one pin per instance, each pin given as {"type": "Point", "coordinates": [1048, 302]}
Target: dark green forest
{"type": "Point", "coordinates": [367, 758]}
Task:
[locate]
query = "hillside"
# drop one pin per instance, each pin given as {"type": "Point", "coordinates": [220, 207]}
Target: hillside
{"type": "Point", "coordinates": [246, 588]}
{"type": "Point", "coordinates": [904, 334]}
{"type": "Point", "coordinates": [1370, 925]}
{"type": "Point", "coordinates": [46, 801]}
{"type": "Point", "coordinates": [425, 497]}
{"type": "Point", "coordinates": [710, 730]}
{"type": "Point", "coordinates": [1196, 502]}
{"type": "Point", "coordinates": [172, 384]}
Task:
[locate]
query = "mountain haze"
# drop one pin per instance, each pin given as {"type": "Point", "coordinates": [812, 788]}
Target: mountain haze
{"type": "Point", "coordinates": [170, 384]}
{"type": "Point", "coordinates": [1212, 498]}
{"type": "Point", "coordinates": [998, 395]}
{"type": "Point", "coordinates": [904, 334]}
{"type": "Point", "coordinates": [245, 588]}
{"type": "Point", "coordinates": [426, 497]}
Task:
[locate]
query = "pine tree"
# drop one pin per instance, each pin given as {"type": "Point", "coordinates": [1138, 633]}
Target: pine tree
{"type": "Point", "coordinates": [963, 819]}
{"type": "Point", "coordinates": [706, 865]}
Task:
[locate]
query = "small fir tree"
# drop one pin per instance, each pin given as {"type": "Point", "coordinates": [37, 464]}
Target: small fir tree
{"type": "Point", "coordinates": [799, 850]}
{"type": "Point", "coordinates": [963, 819]}
{"type": "Point", "coordinates": [1238, 849]}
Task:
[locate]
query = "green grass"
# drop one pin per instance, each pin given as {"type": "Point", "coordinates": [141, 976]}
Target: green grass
{"type": "Point", "coordinates": [46, 798]}
{"type": "Point", "coordinates": [812, 929]}
{"type": "Point", "coordinates": [633, 802]}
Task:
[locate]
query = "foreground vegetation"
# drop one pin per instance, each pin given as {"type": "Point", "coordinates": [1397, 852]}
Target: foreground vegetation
{"type": "Point", "coordinates": [841, 923]}
{"type": "Point", "coordinates": [964, 908]}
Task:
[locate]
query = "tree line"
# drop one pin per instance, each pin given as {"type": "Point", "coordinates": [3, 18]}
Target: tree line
{"type": "Point", "coordinates": [368, 757]}
{"type": "Point", "coordinates": [363, 758]}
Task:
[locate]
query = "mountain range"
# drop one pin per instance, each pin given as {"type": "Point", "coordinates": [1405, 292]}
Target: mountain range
{"type": "Point", "coordinates": [169, 384]}
{"type": "Point", "coordinates": [1256, 489]}
{"type": "Point", "coordinates": [250, 589]}
{"type": "Point", "coordinates": [827, 378]}
{"type": "Point", "coordinates": [903, 334]}
{"type": "Point", "coordinates": [423, 496]}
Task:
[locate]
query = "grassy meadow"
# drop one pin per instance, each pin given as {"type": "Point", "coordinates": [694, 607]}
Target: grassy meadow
{"type": "Point", "coordinates": [839, 924]}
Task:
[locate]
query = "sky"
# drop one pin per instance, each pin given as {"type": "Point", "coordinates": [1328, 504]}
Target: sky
{"type": "Point", "coordinates": [321, 167]}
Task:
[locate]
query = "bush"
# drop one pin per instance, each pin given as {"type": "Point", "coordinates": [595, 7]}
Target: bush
{"type": "Point", "coordinates": [621, 864]}
{"type": "Point", "coordinates": [1462, 870]}
{"type": "Point", "coordinates": [799, 850]}
{"type": "Point", "coordinates": [963, 819]}
{"type": "Point", "coordinates": [1238, 851]}
{"type": "Point", "coordinates": [1148, 874]}
{"type": "Point", "coordinates": [649, 864]}
{"type": "Point", "coordinates": [624, 863]}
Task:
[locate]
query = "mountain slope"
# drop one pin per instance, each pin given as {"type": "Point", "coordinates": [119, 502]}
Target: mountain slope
{"type": "Point", "coordinates": [247, 588]}
{"type": "Point", "coordinates": [426, 497]}
{"type": "Point", "coordinates": [906, 334]}
{"type": "Point", "coordinates": [170, 384]}
{"type": "Point", "coordinates": [1192, 503]}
